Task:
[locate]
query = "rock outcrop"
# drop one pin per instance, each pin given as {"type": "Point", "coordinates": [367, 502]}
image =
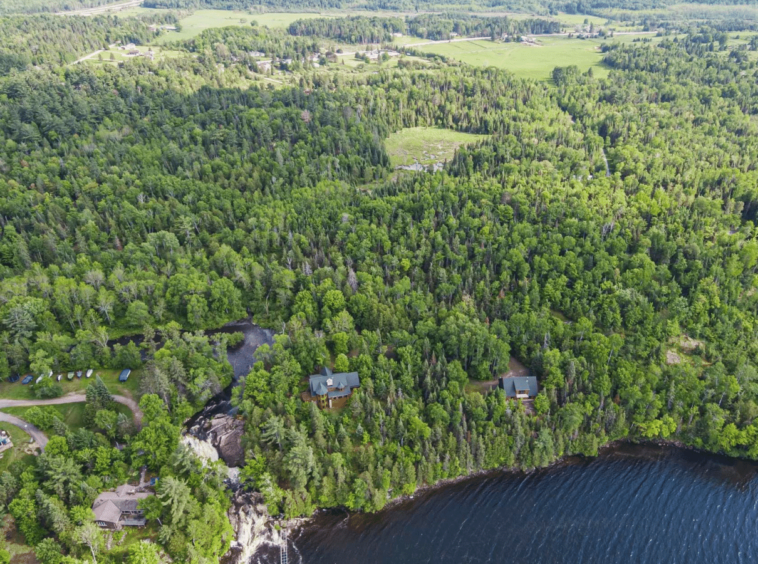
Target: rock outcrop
{"type": "Point", "coordinates": [225, 433]}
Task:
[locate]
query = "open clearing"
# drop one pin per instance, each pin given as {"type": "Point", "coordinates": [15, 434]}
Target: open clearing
{"type": "Point", "coordinates": [426, 145]}
{"type": "Point", "coordinates": [17, 391]}
{"type": "Point", "coordinates": [18, 452]}
{"type": "Point", "coordinates": [531, 61]}
{"type": "Point", "coordinates": [200, 20]}
{"type": "Point", "coordinates": [117, 55]}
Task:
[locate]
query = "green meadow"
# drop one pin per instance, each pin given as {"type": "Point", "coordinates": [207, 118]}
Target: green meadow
{"type": "Point", "coordinates": [426, 145]}
{"type": "Point", "coordinates": [535, 62]}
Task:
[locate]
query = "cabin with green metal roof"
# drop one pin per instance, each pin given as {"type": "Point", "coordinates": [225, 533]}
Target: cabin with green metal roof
{"type": "Point", "coordinates": [328, 387]}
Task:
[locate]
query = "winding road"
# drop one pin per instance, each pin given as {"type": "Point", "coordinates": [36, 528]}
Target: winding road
{"type": "Point", "coordinates": [38, 436]}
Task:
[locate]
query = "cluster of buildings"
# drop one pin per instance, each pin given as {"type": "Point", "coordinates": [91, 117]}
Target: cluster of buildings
{"type": "Point", "coordinates": [132, 51]}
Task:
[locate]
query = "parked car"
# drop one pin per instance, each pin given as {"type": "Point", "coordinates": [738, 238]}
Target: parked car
{"type": "Point", "coordinates": [70, 376]}
{"type": "Point", "coordinates": [38, 380]}
{"type": "Point", "coordinates": [89, 373]}
{"type": "Point", "coordinates": [28, 378]}
{"type": "Point", "coordinates": [59, 377]}
{"type": "Point", "coordinates": [78, 373]}
{"type": "Point", "coordinates": [13, 378]}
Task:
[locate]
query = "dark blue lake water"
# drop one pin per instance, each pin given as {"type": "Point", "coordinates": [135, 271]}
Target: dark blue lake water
{"type": "Point", "coordinates": [632, 504]}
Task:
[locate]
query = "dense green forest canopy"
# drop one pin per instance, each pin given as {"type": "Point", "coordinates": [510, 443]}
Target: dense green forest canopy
{"type": "Point", "coordinates": [603, 234]}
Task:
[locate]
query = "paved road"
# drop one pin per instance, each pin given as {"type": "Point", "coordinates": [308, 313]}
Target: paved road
{"type": "Point", "coordinates": [38, 435]}
{"type": "Point", "coordinates": [101, 9]}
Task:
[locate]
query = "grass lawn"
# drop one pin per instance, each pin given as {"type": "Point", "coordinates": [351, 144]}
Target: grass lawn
{"type": "Point", "coordinates": [72, 414]}
{"type": "Point", "coordinates": [20, 440]}
{"type": "Point", "coordinates": [427, 145]}
{"type": "Point", "coordinates": [110, 377]}
{"type": "Point", "coordinates": [532, 62]}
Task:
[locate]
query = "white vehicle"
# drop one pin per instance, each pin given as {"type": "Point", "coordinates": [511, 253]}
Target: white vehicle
{"type": "Point", "coordinates": [50, 374]}
{"type": "Point", "coordinates": [89, 373]}
{"type": "Point", "coordinates": [38, 380]}
{"type": "Point", "coordinates": [59, 377]}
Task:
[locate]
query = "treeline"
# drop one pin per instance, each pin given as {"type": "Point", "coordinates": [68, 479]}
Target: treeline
{"type": "Point", "coordinates": [442, 26]}
{"type": "Point", "coordinates": [361, 29]}
{"type": "Point", "coordinates": [39, 6]}
{"type": "Point", "coordinates": [238, 42]}
{"type": "Point", "coordinates": [55, 40]}
{"type": "Point", "coordinates": [353, 29]}
{"type": "Point", "coordinates": [245, 4]}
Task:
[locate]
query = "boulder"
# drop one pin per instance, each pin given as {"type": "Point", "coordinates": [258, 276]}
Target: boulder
{"type": "Point", "coordinates": [225, 433]}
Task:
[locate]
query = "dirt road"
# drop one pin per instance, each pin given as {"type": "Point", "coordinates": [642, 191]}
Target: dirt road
{"type": "Point", "coordinates": [38, 436]}
{"type": "Point", "coordinates": [36, 433]}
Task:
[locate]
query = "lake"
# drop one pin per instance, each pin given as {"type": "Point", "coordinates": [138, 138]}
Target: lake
{"type": "Point", "coordinates": [643, 504]}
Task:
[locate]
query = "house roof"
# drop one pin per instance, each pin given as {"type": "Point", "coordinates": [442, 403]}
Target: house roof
{"type": "Point", "coordinates": [109, 505]}
{"type": "Point", "coordinates": [510, 385]}
{"type": "Point", "coordinates": [344, 382]}
{"type": "Point", "coordinates": [107, 512]}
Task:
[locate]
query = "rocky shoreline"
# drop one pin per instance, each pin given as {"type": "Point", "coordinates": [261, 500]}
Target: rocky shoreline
{"type": "Point", "coordinates": [260, 535]}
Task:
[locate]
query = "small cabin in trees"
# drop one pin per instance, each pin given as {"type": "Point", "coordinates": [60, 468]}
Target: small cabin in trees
{"type": "Point", "coordinates": [328, 387]}
{"type": "Point", "coordinates": [520, 387]}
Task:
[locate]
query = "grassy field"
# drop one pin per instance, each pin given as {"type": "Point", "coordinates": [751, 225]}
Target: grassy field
{"type": "Point", "coordinates": [427, 145]}
{"type": "Point", "coordinates": [20, 439]}
{"type": "Point", "coordinates": [129, 388]}
{"type": "Point", "coordinates": [578, 19]}
{"type": "Point", "coordinates": [200, 20]}
{"type": "Point", "coordinates": [530, 61]}
{"type": "Point", "coordinates": [72, 414]}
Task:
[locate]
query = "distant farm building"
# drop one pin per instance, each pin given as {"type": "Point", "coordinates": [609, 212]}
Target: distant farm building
{"type": "Point", "coordinates": [328, 388]}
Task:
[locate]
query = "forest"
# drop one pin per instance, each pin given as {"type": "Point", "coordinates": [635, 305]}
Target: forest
{"type": "Point", "coordinates": [602, 233]}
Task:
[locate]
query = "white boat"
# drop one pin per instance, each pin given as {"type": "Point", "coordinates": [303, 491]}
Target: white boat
{"type": "Point", "coordinates": [89, 373]}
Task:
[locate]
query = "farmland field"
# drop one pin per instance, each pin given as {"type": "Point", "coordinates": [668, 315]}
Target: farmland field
{"type": "Point", "coordinates": [530, 61]}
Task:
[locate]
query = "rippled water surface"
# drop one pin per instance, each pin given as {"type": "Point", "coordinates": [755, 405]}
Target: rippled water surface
{"type": "Point", "coordinates": [632, 504]}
